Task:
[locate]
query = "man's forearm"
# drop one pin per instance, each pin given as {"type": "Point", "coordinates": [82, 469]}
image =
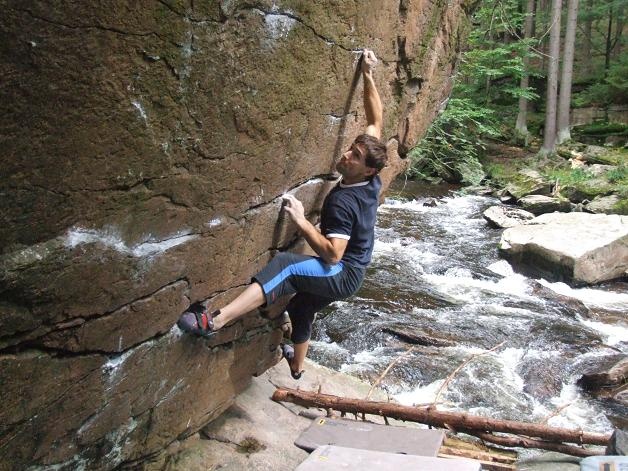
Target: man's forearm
{"type": "Point", "coordinates": [319, 243]}
{"type": "Point", "coordinates": [372, 102]}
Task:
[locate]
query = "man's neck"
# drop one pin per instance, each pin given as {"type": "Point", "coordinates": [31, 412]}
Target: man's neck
{"type": "Point", "coordinates": [347, 181]}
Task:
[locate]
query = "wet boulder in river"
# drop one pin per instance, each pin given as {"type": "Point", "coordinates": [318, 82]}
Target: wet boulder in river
{"type": "Point", "coordinates": [579, 247]}
{"type": "Point", "coordinates": [541, 204]}
{"type": "Point", "coordinates": [420, 337]}
{"type": "Point", "coordinates": [506, 216]}
{"type": "Point", "coordinates": [607, 378]}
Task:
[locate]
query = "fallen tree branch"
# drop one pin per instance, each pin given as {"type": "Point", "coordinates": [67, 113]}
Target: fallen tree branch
{"type": "Point", "coordinates": [383, 375]}
{"type": "Point", "coordinates": [464, 363]}
{"type": "Point", "coordinates": [556, 412]}
{"type": "Point", "coordinates": [524, 442]}
{"type": "Point", "coordinates": [431, 416]}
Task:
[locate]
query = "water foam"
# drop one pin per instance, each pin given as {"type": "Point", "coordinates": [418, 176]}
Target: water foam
{"type": "Point", "coordinates": [591, 297]}
{"type": "Point", "coordinates": [614, 334]}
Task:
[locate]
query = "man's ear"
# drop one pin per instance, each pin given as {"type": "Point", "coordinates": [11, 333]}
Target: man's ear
{"type": "Point", "coordinates": [370, 171]}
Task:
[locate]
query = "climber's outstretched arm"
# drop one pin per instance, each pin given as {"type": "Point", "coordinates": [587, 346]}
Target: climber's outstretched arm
{"type": "Point", "coordinates": [372, 102]}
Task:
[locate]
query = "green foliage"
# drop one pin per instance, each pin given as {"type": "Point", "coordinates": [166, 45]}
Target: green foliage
{"type": "Point", "coordinates": [618, 175]}
{"type": "Point", "coordinates": [612, 89]}
{"type": "Point", "coordinates": [484, 97]}
{"type": "Point", "coordinates": [601, 129]}
{"type": "Point", "coordinates": [568, 176]}
{"type": "Point", "coordinates": [450, 148]}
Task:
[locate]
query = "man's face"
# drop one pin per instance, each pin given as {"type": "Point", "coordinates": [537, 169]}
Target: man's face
{"type": "Point", "coordinates": [352, 164]}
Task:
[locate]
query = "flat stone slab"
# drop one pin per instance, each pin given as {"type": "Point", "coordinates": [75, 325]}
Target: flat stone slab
{"type": "Point", "coordinates": [332, 458]}
{"type": "Point", "coordinates": [541, 204]}
{"type": "Point", "coordinates": [579, 247]}
{"type": "Point", "coordinates": [506, 216]}
{"type": "Point", "coordinates": [369, 436]}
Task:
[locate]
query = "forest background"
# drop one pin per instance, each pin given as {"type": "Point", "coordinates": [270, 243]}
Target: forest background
{"type": "Point", "coordinates": [527, 66]}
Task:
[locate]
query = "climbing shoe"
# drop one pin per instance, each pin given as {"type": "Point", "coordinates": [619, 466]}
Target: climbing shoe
{"type": "Point", "coordinates": [198, 321]}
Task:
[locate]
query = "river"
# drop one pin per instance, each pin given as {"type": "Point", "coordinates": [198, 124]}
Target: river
{"type": "Point", "coordinates": [436, 272]}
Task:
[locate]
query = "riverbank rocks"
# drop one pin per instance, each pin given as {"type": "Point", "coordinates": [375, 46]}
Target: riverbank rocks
{"type": "Point", "coordinates": [604, 205]}
{"type": "Point", "coordinates": [594, 154]}
{"type": "Point", "coordinates": [146, 148]}
{"type": "Point", "coordinates": [578, 247]}
{"type": "Point", "coordinates": [528, 182]}
{"type": "Point", "coordinates": [541, 204]}
{"type": "Point", "coordinates": [506, 216]}
{"type": "Point", "coordinates": [607, 377]}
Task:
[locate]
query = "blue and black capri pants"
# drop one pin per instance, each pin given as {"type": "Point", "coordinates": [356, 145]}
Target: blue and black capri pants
{"type": "Point", "coordinates": [315, 283]}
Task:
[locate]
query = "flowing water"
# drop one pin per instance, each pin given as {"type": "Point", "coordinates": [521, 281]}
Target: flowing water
{"type": "Point", "coordinates": [436, 272]}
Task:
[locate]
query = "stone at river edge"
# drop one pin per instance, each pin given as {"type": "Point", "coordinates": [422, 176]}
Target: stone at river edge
{"type": "Point", "coordinates": [528, 182]}
{"type": "Point", "coordinates": [145, 149]}
{"type": "Point", "coordinates": [506, 216]}
{"type": "Point", "coordinates": [578, 247]}
{"type": "Point", "coordinates": [605, 205]}
{"type": "Point", "coordinates": [541, 204]}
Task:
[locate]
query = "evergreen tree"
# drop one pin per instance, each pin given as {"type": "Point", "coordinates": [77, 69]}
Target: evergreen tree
{"type": "Point", "coordinates": [549, 133]}
{"type": "Point", "coordinates": [564, 102]}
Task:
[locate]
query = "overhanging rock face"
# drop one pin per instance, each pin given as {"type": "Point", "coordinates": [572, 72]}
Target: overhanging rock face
{"type": "Point", "coordinates": [146, 146]}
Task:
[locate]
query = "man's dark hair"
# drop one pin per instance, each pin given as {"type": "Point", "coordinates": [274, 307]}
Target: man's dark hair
{"type": "Point", "coordinates": [376, 156]}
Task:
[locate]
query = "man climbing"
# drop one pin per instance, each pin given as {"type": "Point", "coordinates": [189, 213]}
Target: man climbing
{"type": "Point", "coordinates": [344, 244]}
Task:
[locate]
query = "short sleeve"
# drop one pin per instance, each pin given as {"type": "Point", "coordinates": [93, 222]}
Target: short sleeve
{"type": "Point", "coordinates": [338, 221]}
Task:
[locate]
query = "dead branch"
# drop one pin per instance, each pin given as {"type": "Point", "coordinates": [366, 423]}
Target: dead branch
{"type": "Point", "coordinates": [524, 442]}
{"type": "Point", "coordinates": [556, 412]}
{"type": "Point", "coordinates": [464, 363]}
{"type": "Point", "coordinates": [388, 368]}
{"type": "Point", "coordinates": [431, 416]}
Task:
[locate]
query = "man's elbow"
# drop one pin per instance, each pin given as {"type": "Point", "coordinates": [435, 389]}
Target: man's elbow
{"type": "Point", "coordinates": [332, 258]}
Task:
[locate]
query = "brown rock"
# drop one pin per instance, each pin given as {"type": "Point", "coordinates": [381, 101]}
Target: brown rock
{"type": "Point", "coordinates": [146, 148]}
{"type": "Point", "coordinates": [611, 374]}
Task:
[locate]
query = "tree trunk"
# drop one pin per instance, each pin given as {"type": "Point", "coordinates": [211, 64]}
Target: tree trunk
{"type": "Point", "coordinates": [549, 133]}
{"type": "Point", "coordinates": [564, 100]}
{"type": "Point", "coordinates": [609, 39]}
{"type": "Point", "coordinates": [522, 117]}
{"type": "Point", "coordinates": [586, 61]}
{"type": "Point", "coordinates": [431, 416]}
{"type": "Point", "coordinates": [543, 8]}
{"type": "Point", "coordinates": [619, 28]}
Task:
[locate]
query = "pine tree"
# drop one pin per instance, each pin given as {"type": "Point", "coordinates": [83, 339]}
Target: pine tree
{"type": "Point", "coordinates": [521, 125]}
{"type": "Point", "coordinates": [549, 133]}
{"type": "Point", "coordinates": [564, 100]}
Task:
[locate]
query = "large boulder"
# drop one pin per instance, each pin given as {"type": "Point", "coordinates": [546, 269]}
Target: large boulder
{"type": "Point", "coordinates": [146, 147]}
{"type": "Point", "coordinates": [577, 247]}
{"type": "Point", "coordinates": [541, 204]}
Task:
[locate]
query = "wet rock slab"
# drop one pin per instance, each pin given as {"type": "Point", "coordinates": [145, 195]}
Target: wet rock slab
{"type": "Point", "coordinates": [420, 337]}
{"type": "Point", "coordinates": [578, 247]}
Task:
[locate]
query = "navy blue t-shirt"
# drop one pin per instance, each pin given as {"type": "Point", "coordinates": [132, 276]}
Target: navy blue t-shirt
{"type": "Point", "coordinates": [349, 212]}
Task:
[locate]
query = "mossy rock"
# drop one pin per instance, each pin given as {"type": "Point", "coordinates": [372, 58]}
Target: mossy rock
{"type": "Point", "coordinates": [574, 194]}
{"type": "Point", "coordinates": [604, 156]}
{"type": "Point", "coordinates": [596, 187]}
{"type": "Point", "coordinates": [528, 182]}
{"type": "Point", "coordinates": [611, 204]}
